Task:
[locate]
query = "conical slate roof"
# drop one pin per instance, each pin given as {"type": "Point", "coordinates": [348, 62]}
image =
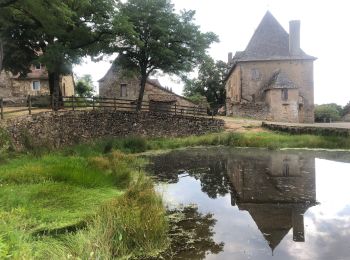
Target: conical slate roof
{"type": "Point", "coordinates": [273, 222]}
{"type": "Point", "coordinates": [269, 42]}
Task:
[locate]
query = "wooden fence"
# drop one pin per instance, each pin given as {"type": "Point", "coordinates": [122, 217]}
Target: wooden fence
{"type": "Point", "coordinates": [74, 103]}
{"type": "Point", "coordinates": [42, 103]}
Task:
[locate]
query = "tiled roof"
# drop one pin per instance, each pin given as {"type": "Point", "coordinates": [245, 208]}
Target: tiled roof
{"type": "Point", "coordinates": [161, 98]}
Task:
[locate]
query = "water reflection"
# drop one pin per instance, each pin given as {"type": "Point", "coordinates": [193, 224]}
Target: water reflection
{"type": "Point", "coordinates": [276, 189]}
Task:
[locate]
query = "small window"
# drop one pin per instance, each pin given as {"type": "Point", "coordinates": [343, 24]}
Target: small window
{"type": "Point", "coordinates": [284, 94]}
{"type": "Point", "coordinates": [255, 74]}
{"type": "Point", "coordinates": [36, 85]}
{"type": "Point", "coordinates": [123, 90]}
{"type": "Point", "coordinates": [37, 66]}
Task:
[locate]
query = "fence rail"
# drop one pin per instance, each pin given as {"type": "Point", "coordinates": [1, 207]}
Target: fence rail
{"type": "Point", "coordinates": [33, 103]}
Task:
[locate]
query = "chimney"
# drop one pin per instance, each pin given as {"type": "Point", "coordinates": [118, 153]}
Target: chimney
{"type": "Point", "coordinates": [294, 37]}
{"type": "Point", "coordinates": [229, 58]}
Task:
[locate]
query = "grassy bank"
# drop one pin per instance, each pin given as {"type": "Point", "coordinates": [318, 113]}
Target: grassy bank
{"type": "Point", "coordinates": [268, 140]}
{"type": "Point", "coordinates": [72, 206]}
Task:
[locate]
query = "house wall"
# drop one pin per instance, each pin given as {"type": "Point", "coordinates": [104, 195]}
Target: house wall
{"type": "Point", "coordinates": [233, 89]}
{"type": "Point", "coordinates": [254, 76]}
{"type": "Point", "coordinates": [111, 87]}
{"type": "Point", "coordinates": [5, 84]}
{"type": "Point", "coordinates": [23, 87]}
{"type": "Point", "coordinates": [11, 86]}
{"type": "Point", "coordinates": [283, 110]}
{"type": "Point", "coordinates": [67, 85]}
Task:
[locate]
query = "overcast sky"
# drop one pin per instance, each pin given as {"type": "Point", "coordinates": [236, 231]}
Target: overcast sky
{"type": "Point", "coordinates": [325, 34]}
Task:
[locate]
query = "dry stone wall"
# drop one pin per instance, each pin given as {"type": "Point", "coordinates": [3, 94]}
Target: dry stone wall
{"type": "Point", "coordinates": [58, 129]}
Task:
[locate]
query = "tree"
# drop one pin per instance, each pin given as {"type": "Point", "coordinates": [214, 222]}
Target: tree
{"type": "Point", "coordinates": [210, 82]}
{"type": "Point", "coordinates": [1, 53]}
{"type": "Point", "coordinates": [56, 33]}
{"type": "Point", "coordinates": [327, 112]}
{"type": "Point", "coordinates": [151, 36]}
{"type": "Point", "coordinates": [85, 86]}
{"type": "Point", "coordinates": [346, 109]}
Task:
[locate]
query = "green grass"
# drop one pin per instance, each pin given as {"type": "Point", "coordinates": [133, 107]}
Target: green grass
{"type": "Point", "coordinates": [270, 140]}
{"type": "Point", "coordinates": [49, 203]}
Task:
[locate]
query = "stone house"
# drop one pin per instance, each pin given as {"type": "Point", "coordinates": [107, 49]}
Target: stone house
{"type": "Point", "coordinates": [118, 84]}
{"type": "Point", "coordinates": [272, 79]}
{"type": "Point", "coordinates": [35, 83]}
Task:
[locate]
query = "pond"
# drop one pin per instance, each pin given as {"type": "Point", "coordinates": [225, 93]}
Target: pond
{"type": "Point", "coordinates": [258, 204]}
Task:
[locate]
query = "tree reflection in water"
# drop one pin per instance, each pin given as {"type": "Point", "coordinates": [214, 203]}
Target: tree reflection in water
{"type": "Point", "coordinates": [191, 234]}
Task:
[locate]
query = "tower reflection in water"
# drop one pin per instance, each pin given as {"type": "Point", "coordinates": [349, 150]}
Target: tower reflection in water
{"type": "Point", "coordinates": [274, 187]}
{"type": "Point", "coordinates": [276, 190]}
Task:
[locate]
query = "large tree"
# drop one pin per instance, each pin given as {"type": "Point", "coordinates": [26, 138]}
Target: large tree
{"type": "Point", "coordinates": [210, 82]}
{"type": "Point", "coordinates": [56, 33]}
{"type": "Point", "coordinates": [151, 36]}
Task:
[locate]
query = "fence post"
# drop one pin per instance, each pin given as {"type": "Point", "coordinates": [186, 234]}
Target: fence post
{"type": "Point", "coordinates": [73, 103]}
{"type": "Point", "coordinates": [93, 103]}
{"type": "Point", "coordinates": [212, 114]}
{"type": "Point", "coordinates": [2, 108]}
{"type": "Point", "coordinates": [30, 104]}
{"type": "Point", "coordinates": [115, 104]}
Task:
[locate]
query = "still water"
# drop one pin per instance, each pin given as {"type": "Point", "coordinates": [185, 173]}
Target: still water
{"type": "Point", "coordinates": [260, 204]}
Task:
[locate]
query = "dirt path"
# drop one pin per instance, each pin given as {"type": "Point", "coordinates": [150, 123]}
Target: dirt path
{"type": "Point", "coordinates": [242, 124]}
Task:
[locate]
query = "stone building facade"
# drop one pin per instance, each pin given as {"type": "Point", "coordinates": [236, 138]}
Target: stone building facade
{"type": "Point", "coordinates": [119, 84]}
{"type": "Point", "coordinates": [273, 78]}
{"type": "Point", "coordinates": [36, 83]}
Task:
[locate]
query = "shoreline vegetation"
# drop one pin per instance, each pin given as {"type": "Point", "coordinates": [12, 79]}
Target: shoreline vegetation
{"type": "Point", "coordinates": [96, 201]}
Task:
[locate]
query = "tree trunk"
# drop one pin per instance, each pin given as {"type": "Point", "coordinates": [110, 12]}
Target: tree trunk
{"type": "Point", "coordinates": [55, 90]}
{"type": "Point", "coordinates": [142, 91]}
{"type": "Point", "coordinates": [1, 54]}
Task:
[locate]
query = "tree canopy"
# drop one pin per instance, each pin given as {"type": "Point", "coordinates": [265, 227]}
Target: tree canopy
{"type": "Point", "coordinates": [328, 112]}
{"type": "Point", "coordinates": [210, 83]}
{"type": "Point", "coordinates": [56, 33]}
{"type": "Point", "coordinates": [84, 86]}
{"type": "Point", "coordinates": [152, 36]}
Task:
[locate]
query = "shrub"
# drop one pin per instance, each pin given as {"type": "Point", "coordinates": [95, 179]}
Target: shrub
{"type": "Point", "coordinates": [135, 144]}
{"type": "Point", "coordinates": [5, 143]}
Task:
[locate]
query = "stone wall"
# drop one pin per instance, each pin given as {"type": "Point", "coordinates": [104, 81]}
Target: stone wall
{"type": "Point", "coordinates": [58, 129]}
{"type": "Point", "coordinates": [252, 110]}
{"type": "Point", "coordinates": [313, 130]}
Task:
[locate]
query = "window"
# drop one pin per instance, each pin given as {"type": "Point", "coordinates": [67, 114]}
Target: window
{"type": "Point", "coordinates": [284, 94]}
{"type": "Point", "coordinates": [37, 66]}
{"type": "Point", "coordinates": [36, 85]}
{"type": "Point", "coordinates": [123, 90]}
{"type": "Point", "coordinates": [255, 74]}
